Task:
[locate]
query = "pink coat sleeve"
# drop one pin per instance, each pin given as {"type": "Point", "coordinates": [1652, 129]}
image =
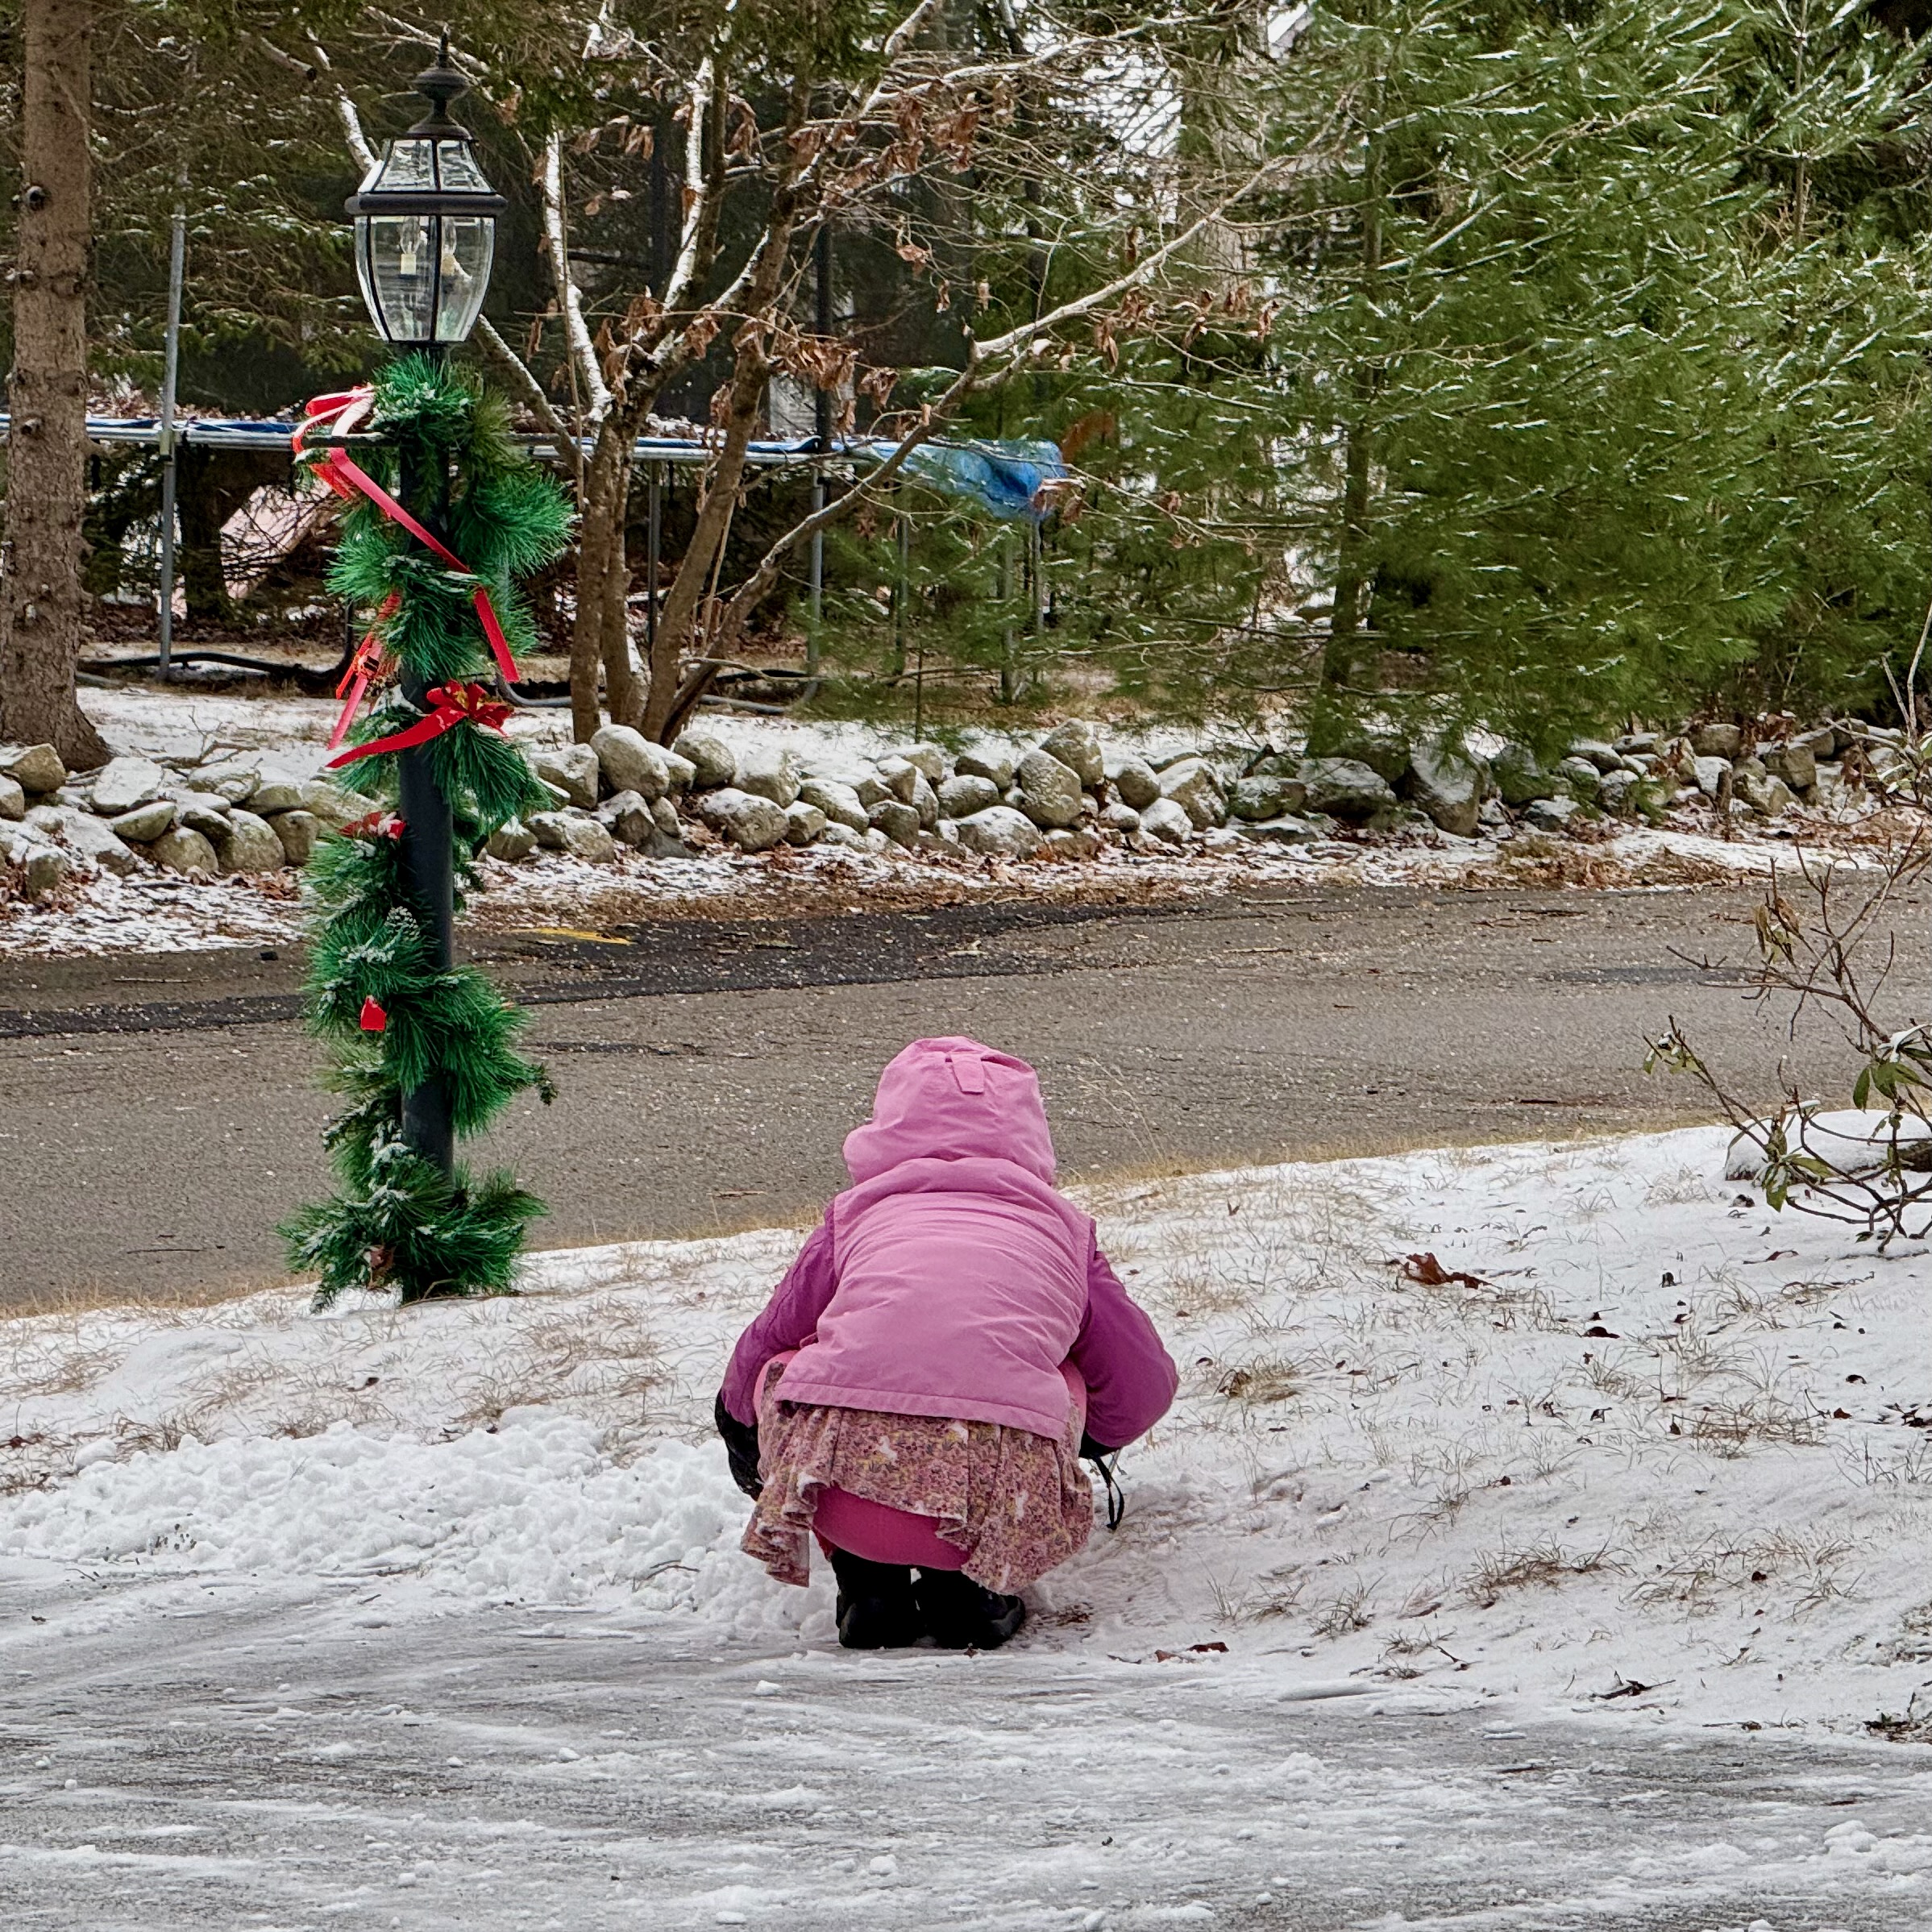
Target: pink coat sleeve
{"type": "Point", "coordinates": [789, 1320]}
{"type": "Point", "coordinates": [1130, 1378]}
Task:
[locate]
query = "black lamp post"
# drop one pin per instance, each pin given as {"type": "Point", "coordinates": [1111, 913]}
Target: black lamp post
{"type": "Point", "coordinates": [426, 232]}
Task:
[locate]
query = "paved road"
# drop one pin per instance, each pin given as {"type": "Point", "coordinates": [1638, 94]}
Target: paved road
{"type": "Point", "coordinates": [306, 1763]}
{"type": "Point", "coordinates": [159, 1115]}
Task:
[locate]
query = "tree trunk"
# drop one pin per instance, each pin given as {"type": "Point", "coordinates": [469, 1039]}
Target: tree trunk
{"type": "Point", "coordinates": [40, 562]}
{"type": "Point", "coordinates": [600, 637]}
{"type": "Point", "coordinates": [203, 506]}
{"type": "Point", "coordinates": [623, 690]}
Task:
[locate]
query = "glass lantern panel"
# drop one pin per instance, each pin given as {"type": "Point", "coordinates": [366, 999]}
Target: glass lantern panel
{"type": "Point", "coordinates": [459, 166]}
{"type": "Point", "coordinates": [393, 258]}
{"type": "Point", "coordinates": [407, 167]}
{"type": "Point", "coordinates": [468, 243]}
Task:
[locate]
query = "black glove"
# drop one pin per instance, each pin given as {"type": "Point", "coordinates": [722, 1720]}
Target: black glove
{"type": "Point", "coordinates": [1098, 1453]}
{"type": "Point", "coordinates": [741, 1450]}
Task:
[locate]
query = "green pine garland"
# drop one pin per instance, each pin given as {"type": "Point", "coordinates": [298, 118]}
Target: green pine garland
{"type": "Point", "coordinates": [396, 1221]}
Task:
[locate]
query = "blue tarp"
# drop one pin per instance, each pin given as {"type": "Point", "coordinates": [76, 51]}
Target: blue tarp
{"type": "Point", "coordinates": [1006, 478]}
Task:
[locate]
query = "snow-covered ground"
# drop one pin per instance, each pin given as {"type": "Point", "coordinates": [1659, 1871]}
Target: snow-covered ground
{"type": "Point", "coordinates": [1560, 1579]}
{"type": "Point", "coordinates": [102, 915]}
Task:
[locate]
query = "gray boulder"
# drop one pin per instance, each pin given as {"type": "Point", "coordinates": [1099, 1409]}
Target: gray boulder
{"type": "Point", "coordinates": [36, 769]}
{"type": "Point", "coordinates": [1049, 791]}
{"type": "Point", "coordinates": [925, 802]}
{"type": "Point", "coordinates": [145, 822]}
{"type": "Point", "coordinates": [1447, 787]}
{"type": "Point", "coordinates": [250, 846]}
{"type": "Point", "coordinates": [1000, 831]}
{"type": "Point", "coordinates": [46, 868]}
{"type": "Point", "coordinates": [900, 778]}
{"type": "Point", "coordinates": [1618, 793]}
{"type": "Point", "coordinates": [1582, 778]}
{"type": "Point", "coordinates": [576, 834]}
{"type": "Point", "coordinates": [899, 822]}
{"type": "Point", "coordinates": [298, 831]}
{"type": "Point", "coordinates": [931, 759]}
{"type": "Point", "coordinates": [804, 824]}
{"type": "Point", "coordinates": [664, 815]}
{"type": "Point", "coordinates": [572, 769]}
{"type": "Point", "coordinates": [204, 811]}
{"type": "Point", "coordinates": [713, 762]}
{"type": "Point", "coordinates": [125, 782]}
{"type": "Point", "coordinates": [233, 779]}
{"type": "Point", "coordinates": [1711, 773]}
{"type": "Point", "coordinates": [966, 793]}
{"type": "Point", "coordinates": [628, 818]}
{"type": "Point", "coordinates": [334, 805]}
{"type": "Point", "coordinates": [1550, 814]}
{"type": "Point", "coordinates": [89, 837]}
{"type": "Point", "coordinates": [752, 823]}
{"type": "Point", "coordinates": [1118, 817]}
{"type": "Point", "coordinates": [1384, 753]}
{"type": "Point", "coordinates": [1263, 796]}
{"type": "Point", "coordinates": [1764, 794]}
{"type": "Point", "coordinates": [185, 850]}
{"type": "Point", "coordinates": [1345, 788]}
{"type": "Point", "coordinates": [13, 799]}
{"type": "Point", "coordinates": [276, 791]}
{"type": "Point", "coordinates": [1193, 785]}
{"type": "Point", "coordinates": [512, 840]}
{"type": "Point", "coordinates": [838, 834]}
{"type": "Point", "coordinates": [1604, 758]}
{"type": "Point", "coordinates": [1826, 741]}
{"type": "Point", "coordinates": [680, 773]}
{"type": "Point", "coordinates": [767, 772]}
{"type": "Point", "coordinates": [1519, 775]}
{"type": "Point", "coordinates": [1167, 820]}
{"type": "Point", "coordinates": [1077, 745]}
{"type": "Point", "coordinates": [1287, 830]}
{"type": "Point", "coordinates": [1632, 742]}
{"type": "Point", "coordinates": [872, 789]}
{"type": "Point", "coordinates": [630, 763]}
{"type": "Point", "coordinates": [839, 802]}
{"type": "Point", "coordinates": [1062, 844]}
{"type": "Point", "coordinates": [1133, 780]}
{"type": "Point", "coordinates": [987, 761]}
{"type": "Point", "coordinates": [1716, 741]}
{"type": "Point", "coordinates": [1795, 763]}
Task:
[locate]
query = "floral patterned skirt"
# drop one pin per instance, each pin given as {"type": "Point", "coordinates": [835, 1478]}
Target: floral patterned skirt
{"type": "Point", "coordinates": [1017, 1504]}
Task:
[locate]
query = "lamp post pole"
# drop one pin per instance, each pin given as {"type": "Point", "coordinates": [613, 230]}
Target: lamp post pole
{"type": "Point", "coordinates": [425, 238]}
{"type": "Point", "coordinates": [428, 837]}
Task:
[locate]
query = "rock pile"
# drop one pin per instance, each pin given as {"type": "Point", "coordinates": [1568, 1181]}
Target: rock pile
{"type": "Point", "coordinates": [1068, 797]}
{"type": "Point", "coordinates": [233, 815]}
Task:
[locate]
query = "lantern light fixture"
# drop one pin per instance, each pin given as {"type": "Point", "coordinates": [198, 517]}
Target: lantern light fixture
{"type": "Point", "coordinates": [425, 223]}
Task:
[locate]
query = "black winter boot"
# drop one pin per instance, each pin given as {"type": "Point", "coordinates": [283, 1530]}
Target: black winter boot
{"type": "Point", "coordinates": [877, 1610]}
{"type": "Point", "coordinates": [964, 1615]}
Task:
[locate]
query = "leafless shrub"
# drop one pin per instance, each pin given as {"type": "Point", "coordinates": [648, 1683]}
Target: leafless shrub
{"type": "Point", "coordinates": [1825, 943]}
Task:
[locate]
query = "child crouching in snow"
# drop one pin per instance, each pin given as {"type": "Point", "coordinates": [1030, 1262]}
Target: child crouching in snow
{"type": "Point", "coordinates": [923, 1383]}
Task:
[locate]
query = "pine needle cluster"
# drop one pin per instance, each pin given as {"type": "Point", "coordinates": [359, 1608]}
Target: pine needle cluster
{"type": "Point", "coordinates": [393, 1016]}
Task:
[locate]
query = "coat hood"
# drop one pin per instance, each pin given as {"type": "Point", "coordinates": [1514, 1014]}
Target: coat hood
{"type": "Point", "coordinates": [953, 1099]}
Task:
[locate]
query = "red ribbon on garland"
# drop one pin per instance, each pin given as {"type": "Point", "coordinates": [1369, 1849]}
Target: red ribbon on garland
{"type": "Point", "coordinates": [452, 704]}
{"type": "Point", "coordinates": [349, 479]}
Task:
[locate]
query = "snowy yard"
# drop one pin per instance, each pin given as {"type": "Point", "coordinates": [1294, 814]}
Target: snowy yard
{"type": "Point", "coordinates": [1560, 1579]}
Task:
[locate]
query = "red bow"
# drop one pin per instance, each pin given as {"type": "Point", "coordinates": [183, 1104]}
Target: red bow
{"type": "Point", "coordinates": [451, 704]}
{"type": "Point", "coordinates": [341, 474]}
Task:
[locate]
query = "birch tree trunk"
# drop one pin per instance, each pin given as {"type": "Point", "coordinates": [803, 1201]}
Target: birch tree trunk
{"type": "Point", "coordinates": [41, 559]}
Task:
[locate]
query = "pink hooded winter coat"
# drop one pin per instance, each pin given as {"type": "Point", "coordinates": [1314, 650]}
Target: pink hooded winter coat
{"type": "Point", "coordinates": [951, 1279]}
